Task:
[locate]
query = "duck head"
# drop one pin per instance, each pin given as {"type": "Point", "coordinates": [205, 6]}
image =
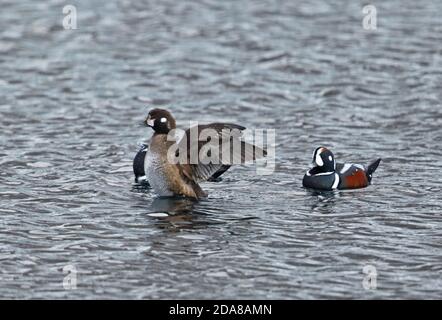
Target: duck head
{"type": "Point", "coordinates": [324, 160]}
{"type": "Point", "coordinates": [160, 120]}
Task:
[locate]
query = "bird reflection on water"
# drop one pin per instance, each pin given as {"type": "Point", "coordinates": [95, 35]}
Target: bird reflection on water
{"type": "Point", "coordinates": [176, 213]}
{"type": "Point", "coordinates": [323, 202]}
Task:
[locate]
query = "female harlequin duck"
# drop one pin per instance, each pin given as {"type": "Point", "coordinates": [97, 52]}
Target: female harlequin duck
{"type": "Point", "coordinates": [140, 175]}
{"type": "Point", "coordinates": [328, 175]}
{"type": "Point", "coordinates": [170, 178]}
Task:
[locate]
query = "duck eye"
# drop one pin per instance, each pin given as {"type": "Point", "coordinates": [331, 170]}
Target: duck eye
{"type": "Point", "coordinates": [163, 120]}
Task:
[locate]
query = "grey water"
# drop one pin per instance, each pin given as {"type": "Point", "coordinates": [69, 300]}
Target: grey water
{"type": "Point", "coordinates": [74, 225]}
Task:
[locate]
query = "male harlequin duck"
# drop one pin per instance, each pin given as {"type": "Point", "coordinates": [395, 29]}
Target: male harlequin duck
{"type": "Point", "coordinates": [138, 165]}
{"type": "Point", "coordinates": [172, 178]}
{"type": "Point", "coordinates": [328, 175]}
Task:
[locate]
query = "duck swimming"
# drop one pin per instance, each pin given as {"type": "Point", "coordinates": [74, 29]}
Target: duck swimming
{"type": "Point", "coordinates": [172, 178]}
{"type": "Point", "coordinates": [140, 175]}
{"type": "Point", "coordinates": [329, 175]}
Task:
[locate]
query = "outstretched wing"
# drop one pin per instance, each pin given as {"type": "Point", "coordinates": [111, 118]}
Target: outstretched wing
{"type": "Point", "coordinates": [210, 148]}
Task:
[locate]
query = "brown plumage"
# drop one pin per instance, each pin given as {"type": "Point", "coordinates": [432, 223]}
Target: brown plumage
{"type": "Point", "coordinates": [176, 168]}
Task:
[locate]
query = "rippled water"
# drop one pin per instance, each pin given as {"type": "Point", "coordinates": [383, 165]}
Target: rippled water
{"type": "Point", "coordinates": [71, 102]}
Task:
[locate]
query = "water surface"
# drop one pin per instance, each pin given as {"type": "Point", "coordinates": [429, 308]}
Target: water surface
{"type": "Point", "coordinates": [70, 106]}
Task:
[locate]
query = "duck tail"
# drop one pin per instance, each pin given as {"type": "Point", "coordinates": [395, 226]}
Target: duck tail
{"type": "Point", "coordinates": [372, 168]}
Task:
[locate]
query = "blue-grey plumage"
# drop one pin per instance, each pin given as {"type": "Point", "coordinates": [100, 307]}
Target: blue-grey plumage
{"type": "Point", "coordinates": [326, 174]}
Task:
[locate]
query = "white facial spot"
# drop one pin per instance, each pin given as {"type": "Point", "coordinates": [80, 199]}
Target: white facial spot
{"type": "Point", "coordinates": [318, 159]}
{"type": "Point", "coordinates": [163, 120]}
{"type": "Point", "coordinates": [150, 122]}
{"type": "Point", "coordinates": [330, 158]}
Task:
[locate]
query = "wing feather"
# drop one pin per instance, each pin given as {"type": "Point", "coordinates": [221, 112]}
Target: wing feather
{"type": "Point", "coordinates": [221, 138]}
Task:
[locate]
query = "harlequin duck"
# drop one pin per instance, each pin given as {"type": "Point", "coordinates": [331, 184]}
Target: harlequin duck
{"type": "Point", "coordinates": [138, 165]}
{"type": "Point", "coordinates": [140, 175]}
{"type": "Point", "coordinates": [328, 175]}
{"type": "Point", "coordinates": [172, 178]}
